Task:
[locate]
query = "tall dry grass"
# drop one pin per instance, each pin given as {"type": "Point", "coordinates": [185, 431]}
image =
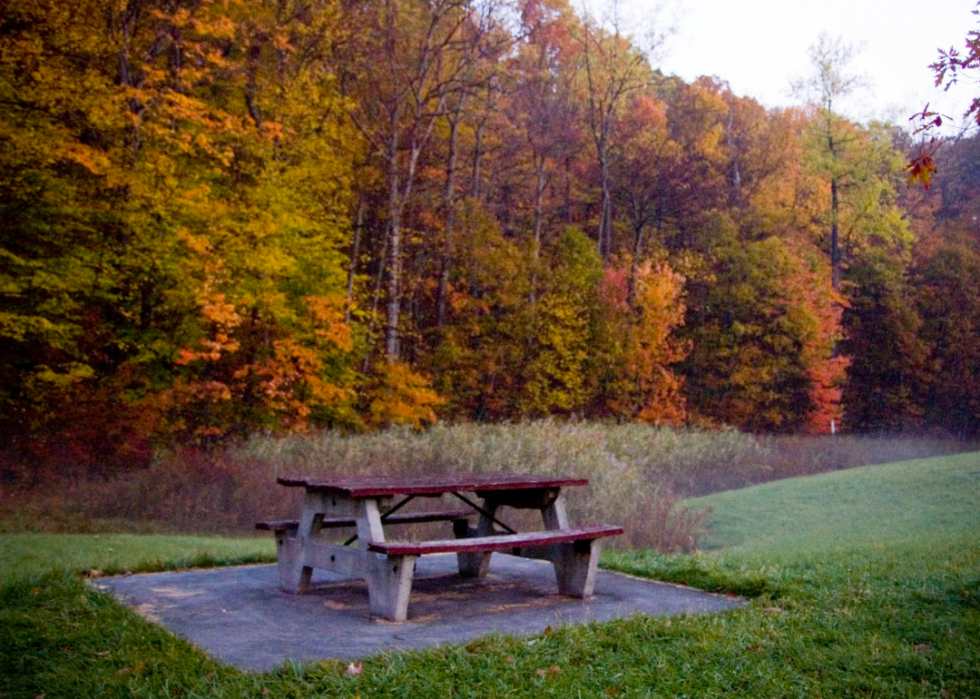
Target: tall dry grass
{"type": "Point", "coordinates": [637, 475]}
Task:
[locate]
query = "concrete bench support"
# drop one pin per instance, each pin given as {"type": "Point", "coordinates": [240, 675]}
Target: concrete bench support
{"type": "Point", "coordinates": [574, 552]}
{"type": "Point", "coordinates": [576, 565]}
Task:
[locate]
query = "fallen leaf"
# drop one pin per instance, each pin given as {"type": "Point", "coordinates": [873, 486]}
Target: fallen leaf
{"type": "Point", "coordinates": [40, 696]}
{"type": "Point", "coordinates": [35, 590]}
{"type": "Point", "coordinates": [93, 573]}
{"type": "Point", "coordinates": [541, 672]}
{"type": "Point", "coordinates": [128, 573]}
{"type": "Point", "coordinates": [134, 670]}
{"type": "Point", "coordinates": [353, 669]}
{"type": "Point", "coordinates": [773, 610]}
{"type": "Point", "coordinates": [922, 647]}
{"type": "Point", "coordinates": [508, 658]}
{"type": "Point", "coordinates": [102, 653]}
{"type": "Point", "coordinates": [265, 691]}
{"type": "Point", "coordinates": [547, 629]}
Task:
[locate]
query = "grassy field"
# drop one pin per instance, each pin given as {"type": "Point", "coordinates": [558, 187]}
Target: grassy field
{"type": "Point", "coordinates": [890, 503]}
{"type": "Point", "coordinates": [29, 555]}
{"type": "Point", "coordinates": [884, 601]}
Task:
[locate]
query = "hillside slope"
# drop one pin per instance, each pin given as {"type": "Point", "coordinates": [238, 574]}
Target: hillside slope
{"type": "Point", "coordinates": [873, 505]}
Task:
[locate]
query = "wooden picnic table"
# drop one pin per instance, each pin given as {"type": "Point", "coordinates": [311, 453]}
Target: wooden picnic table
{"type": "Point", "coordinates": [363, 504]}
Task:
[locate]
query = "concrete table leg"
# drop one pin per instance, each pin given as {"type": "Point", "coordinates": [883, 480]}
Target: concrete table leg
{"type": "Point", "coordinates": [294, 576]}
{"type": "Point", "coordinates": [390, 585]}
{"type": "Point", "coordinates": [289, 557]}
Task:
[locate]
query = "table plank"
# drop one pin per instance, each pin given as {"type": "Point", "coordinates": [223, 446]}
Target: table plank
{"type": "Point", "coordinates": [429, 484]}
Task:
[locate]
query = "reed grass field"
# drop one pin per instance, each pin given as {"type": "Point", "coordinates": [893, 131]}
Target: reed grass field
{"type": "Point", "coordinates": [637, 474]}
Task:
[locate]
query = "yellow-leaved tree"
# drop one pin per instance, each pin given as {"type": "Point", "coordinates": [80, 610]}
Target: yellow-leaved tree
{"type": "Point", "coordinates": [174, 195]}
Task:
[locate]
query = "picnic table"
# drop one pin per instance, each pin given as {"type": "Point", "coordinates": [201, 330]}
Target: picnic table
{"type": "Point", "coordinates": [363, 504]}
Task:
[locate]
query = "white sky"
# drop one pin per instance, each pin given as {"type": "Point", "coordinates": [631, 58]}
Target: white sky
{"type": "Point", "coordinates": [759, 46]}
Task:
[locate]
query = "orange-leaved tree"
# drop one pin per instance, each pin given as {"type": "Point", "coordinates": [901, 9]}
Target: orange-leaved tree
{"type": "Point", "coordinates": [641, 343]}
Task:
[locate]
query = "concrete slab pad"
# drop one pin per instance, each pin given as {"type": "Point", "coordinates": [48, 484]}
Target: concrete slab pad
{"type": "Point", "coordinates": [239, 616]}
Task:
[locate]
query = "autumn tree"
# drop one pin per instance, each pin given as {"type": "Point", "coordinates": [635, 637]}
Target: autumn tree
{"type": "Point", "coordinates": [763, 325]}
{"type": "Point", "coordinates": [191, 270]}
{"type": "Point", "coordinates": [889, 360]}
{"type": "Point", "coordinates": [949, 307]}
{"type": "Point", "coordinates": [830, 83]}
{"type": "Point", "coordinates": [638, 349]}
{"type": "Point", "coordinates": [643, 154]}
{"type": "Point", "coordinates": [614, 67]}
{"type": "Point", "coordinates": [482, 359]}
{"type": "Point", "coordinates": [565, 325]}
{"type": "Point", "coordinates": [942, 284]}
{"type": "Point", "coordinates": [400, 63]}
{"type": "Point", "coordinates": [542, 99]}
{"type": "Point", "coordinates": [951, 67]}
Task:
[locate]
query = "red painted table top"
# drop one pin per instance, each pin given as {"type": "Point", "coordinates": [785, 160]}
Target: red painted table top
{"type": "Point", "coordinates": [429, 484]}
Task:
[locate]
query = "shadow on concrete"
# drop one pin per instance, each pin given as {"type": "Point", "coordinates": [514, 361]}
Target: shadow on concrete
{"type": "Point", "coordinates": [239, 616]}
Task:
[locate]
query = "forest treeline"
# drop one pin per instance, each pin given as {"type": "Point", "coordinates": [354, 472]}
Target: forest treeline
{"type": "Point", "coordinates": [225, 216]}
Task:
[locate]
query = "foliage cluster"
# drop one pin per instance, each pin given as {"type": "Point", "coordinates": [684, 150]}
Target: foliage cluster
{"type": "Point", "coordinates": [221, 218]}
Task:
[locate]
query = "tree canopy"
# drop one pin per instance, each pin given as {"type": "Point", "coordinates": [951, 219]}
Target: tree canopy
{"type": "Point", "coordinates": [224, 217]}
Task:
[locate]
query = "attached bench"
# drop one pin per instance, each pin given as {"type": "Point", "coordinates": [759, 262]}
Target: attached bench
{"type": "Point", "coordinates": [500, 542]}
{"type": "Point", "coordinates": [289, 526]}
{"type": "Point", "coordinates": [573, 551]}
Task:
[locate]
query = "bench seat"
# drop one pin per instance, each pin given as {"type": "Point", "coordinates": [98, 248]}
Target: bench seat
{"type": "Point", "coordinates": [502, 542]}
{"type": "Point", "coordinates": [291, 525]}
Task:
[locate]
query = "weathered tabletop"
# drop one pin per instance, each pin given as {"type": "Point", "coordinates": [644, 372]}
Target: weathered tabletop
{"type": "Point", "coordinates": [429, 484]}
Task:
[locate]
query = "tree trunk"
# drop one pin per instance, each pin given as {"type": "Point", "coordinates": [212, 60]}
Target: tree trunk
{"type": "Point", "coordinates": [834, 236]}
{"type": "Point", "coordinates": [477, 157]}
{"type": "Point", "coordinates": [542, 180]}
{"type": "Point", "coordinates": [394, 261]}
{"type": "Point", "coordinates": [639, 224]}
{"type": "Point", "coordinates": [354, 253]}
{"type": "Point", "coordinates": [449, 200]}
{"type": "Point", "coordinates": [605, 215]}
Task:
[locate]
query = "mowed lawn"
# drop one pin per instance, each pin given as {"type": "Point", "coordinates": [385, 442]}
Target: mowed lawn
{"type": "Point", "coordinates": [861, 583]}
{"type": "Point", "coordinates": [30, 555]}
{"type": "Point", "coordinates": [898, 503]}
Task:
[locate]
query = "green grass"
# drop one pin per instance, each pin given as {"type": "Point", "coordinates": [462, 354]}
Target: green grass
{"type": "Point", "coordinates": [875, 614]}
{"type": "Point", "coordinates": [892, 503]}
{"type": "Point", "coordinates": [31, 555]}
